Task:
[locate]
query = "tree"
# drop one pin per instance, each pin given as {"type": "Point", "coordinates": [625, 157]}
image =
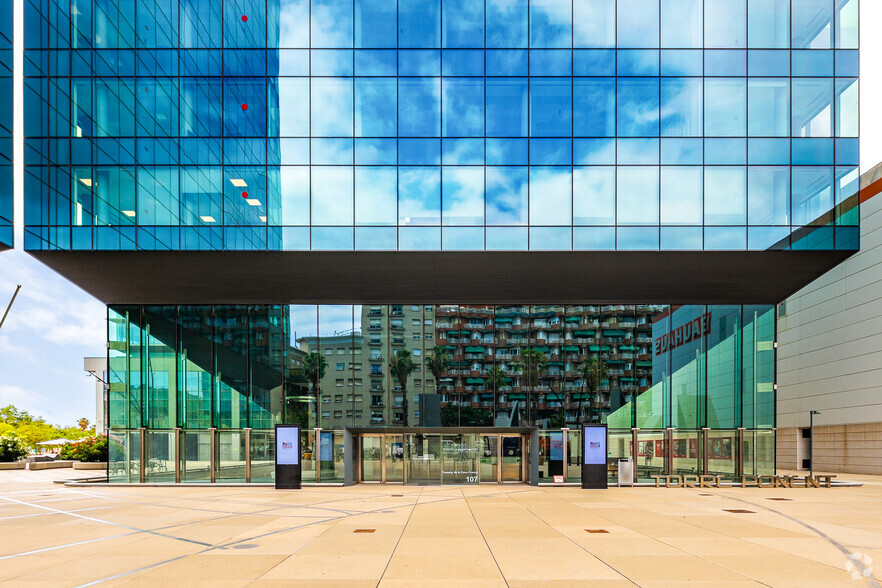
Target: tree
{"type": "Point", "coordinates": [31, 430]}
{"type": "Point", "coordinates": [400, 367]}
{"type": "Point", "coordinates": [591, 371]}
{"type": "Point", "coordinates": [83, 424]}
{"type": "Point", "coordinates": [532, 366]}
{"type": "Point", "coordinates": [11, 448]}
{"type": "Point", "coordinates": [438, 363]}
{"type": "Point", "coordinates": [314, 367]}
{"type": "Point", "coordinates": [495, 381]}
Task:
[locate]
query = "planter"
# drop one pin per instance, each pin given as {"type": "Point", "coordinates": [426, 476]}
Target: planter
{"type": "Point", "coordinates": [49, 465]}
{"type": "Point", "coordinates": [90, 465]}
{"type": "Point", "coordinates": [12, 465]}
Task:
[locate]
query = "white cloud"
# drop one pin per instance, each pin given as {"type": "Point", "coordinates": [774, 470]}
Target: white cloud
{"type": "Point", "coordinates": [50, 328]}
{"type": "Point", "coordinates": [36, 403]}
{"type": "Point", "coordinates": [48, 307]}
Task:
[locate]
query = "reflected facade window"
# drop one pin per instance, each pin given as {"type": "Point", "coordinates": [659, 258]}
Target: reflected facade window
{"type": "Point", "coordinates": [237, 367]}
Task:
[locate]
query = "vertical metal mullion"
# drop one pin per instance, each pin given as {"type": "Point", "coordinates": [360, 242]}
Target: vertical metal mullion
{"type": "Point", "coordinates": [382, 458]}
{"type": "Point", "coordinates": [704, 445]}
{"type": "Point", "coordinates": [669, 450]}
{"type": "Point", "coordinates": [529, 141]}
{"type": "Point", "coordinates": [566, 435]}
{"type": "Point", "coordinates": [212, 452]}
{"type": "Point", "coordinates": [249, 391]}
{"type": "Point", "coordinates": [142, 441]}
{"type": "Point", "coordinates": [248, 455]}
{"type": "Point", "coordinates": [499, 440]}
{"type": "Point", "coordinates": [739, 446]}
{"type": "Point", "coordinates": [635, 449]}
{"type": "Point", "coordinates": [317, 454]}
{"type": "Point", "coordinates": [352, 364]}
{"type": "Point", "coordinates": [178, 456]}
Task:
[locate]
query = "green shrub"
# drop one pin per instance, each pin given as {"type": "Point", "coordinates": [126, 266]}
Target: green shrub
{"type": "Point", "coordinates": [91, 449]}
{"type": "Point", "coordinates": [11, 448]}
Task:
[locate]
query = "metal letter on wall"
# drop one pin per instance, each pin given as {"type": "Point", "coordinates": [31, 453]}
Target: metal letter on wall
{"type": "Point", "coordinates": [594, 457]}
{"type": "Point", "coordinates": [288, 472]}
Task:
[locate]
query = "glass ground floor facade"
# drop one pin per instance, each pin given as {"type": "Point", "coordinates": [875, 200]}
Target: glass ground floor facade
{"type": "Point", "coordinates": [197, 390]}
{"type": "Point", "coordinates": [432, 456]}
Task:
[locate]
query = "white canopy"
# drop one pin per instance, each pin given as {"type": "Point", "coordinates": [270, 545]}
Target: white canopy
{"type": "Point", "coordinates": [55, 442]}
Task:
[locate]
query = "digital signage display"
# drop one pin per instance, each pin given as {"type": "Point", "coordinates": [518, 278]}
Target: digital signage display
{"type": "Point", "coordinates": [595, 445]}
{"type": "Point", "coordinates": [288, 445]}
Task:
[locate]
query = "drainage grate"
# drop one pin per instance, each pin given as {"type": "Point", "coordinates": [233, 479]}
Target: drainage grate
{"type": "Point", "coordinates": [738, 511]}
{"type": "Point", "coordinates": [596, 530]}
{"type": "Point", "coordinates": [245, 546]}
{"type": "Point", "coordinates": [364, 530]}
{"type": "Point", "coordinates": [781, 499]}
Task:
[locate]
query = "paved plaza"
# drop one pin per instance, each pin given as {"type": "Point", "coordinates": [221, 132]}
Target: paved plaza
{"type": "Point", "coordinates": [509, 535]}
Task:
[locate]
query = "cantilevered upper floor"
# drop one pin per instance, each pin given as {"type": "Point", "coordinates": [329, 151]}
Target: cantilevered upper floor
{"type": "Point", "coordinates": [637, 149]}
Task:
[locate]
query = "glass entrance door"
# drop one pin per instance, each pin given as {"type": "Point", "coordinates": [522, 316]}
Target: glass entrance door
{"type": "Point", "coordinates": [423, 454]}
{"type": "Point", "coordinates": [459, 459]}
{"type": "Point", "coordinates": [371, 458]}
{"type": "Point", "coordinates": [394, 455]}
{"type": "Point", "coordinates": [489, 455]}
{"type": "Point", "coordinates": [512, 458]}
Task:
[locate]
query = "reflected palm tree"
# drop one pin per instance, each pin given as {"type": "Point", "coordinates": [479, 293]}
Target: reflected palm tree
{"type": "Point", "coordinates": [314, 367]}
{"type": "Point", "coordinates": [532, 366]}
{"type": "Point", "coordinates": [592, 371]}
{"type": "Point", "coordinates": [495, 380]}
{"type": "Point", "coordinates": [400, 367]}
{"type": "Point", "coordinates": [438, 363]}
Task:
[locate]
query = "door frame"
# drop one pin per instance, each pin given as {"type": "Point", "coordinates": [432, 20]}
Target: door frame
{"type": "Point", "coordinates": [498, 460]}
{"type": "Point", "coordinates": [361, 438]}
{"type": "Point", "coordinates": [523, 462]}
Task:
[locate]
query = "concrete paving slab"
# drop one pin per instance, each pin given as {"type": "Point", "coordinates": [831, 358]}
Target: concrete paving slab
{"type": "Point", "coordinates": [397, 536]}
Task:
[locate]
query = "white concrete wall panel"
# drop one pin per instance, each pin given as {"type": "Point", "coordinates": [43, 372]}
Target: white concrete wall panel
{"type": "Point", "coordinates": [830, 340]}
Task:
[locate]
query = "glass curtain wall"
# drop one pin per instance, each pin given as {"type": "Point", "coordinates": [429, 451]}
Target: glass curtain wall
{"type": "Point", "coordinates": [430, 125]}
{"type": "Point", "coordinates": [6, 110]}
{"type": "Point", "coordinates": [222, 373]}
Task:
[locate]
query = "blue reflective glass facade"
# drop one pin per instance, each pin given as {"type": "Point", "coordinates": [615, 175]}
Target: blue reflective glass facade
{"type": "Point", "coordinates": [441, 125]}
{"type": "Point", "coordinates": [6, 238]}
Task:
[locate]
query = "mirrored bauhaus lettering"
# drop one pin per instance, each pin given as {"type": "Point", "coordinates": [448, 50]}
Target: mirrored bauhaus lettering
{"type": "Point", "coordinates": [441, 235]}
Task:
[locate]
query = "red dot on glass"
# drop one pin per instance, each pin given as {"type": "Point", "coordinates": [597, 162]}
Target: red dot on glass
{"type": "Point", "coordinates": [244, 194]}
{"type": "Point", "coordinates": [244, 18]}
{"type": "Point", "coordinates": [244, 107]}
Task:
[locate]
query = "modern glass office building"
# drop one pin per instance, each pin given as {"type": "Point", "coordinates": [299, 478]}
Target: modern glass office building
{"type": "Point", "coordinates": [6, 238]}
{"type": "Point", "coordinates": [301, 211]}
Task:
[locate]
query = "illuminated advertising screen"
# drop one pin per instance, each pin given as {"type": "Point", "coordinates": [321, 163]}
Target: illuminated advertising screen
{"type": "Point", "coordinates": [288, 445]}
{"type": "Point", "coordinates": [595, 445]}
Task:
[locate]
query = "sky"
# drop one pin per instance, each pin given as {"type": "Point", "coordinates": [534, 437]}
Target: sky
{"type": "Point", "coordinates": [53, 324]}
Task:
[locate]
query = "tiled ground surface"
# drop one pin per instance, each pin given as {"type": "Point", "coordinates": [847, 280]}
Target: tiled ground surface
{"type": "Point", "coordinates": [453, 536]}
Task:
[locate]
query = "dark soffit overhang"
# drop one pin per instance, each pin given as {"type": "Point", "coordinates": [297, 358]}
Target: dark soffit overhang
{"type": "Point", "coordinates": [289, 277]}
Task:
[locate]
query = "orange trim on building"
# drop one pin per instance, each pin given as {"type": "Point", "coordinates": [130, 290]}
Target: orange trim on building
{"type": "Point", "coordinates": [873, 189]}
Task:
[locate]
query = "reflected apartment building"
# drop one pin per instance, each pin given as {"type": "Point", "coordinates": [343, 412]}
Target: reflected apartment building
{"type": "Point", "coordinates": [440, 232]}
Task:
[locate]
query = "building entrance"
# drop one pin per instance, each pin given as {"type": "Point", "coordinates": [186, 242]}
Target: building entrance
{"type": "Point", "coordinates": [430, 458]}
